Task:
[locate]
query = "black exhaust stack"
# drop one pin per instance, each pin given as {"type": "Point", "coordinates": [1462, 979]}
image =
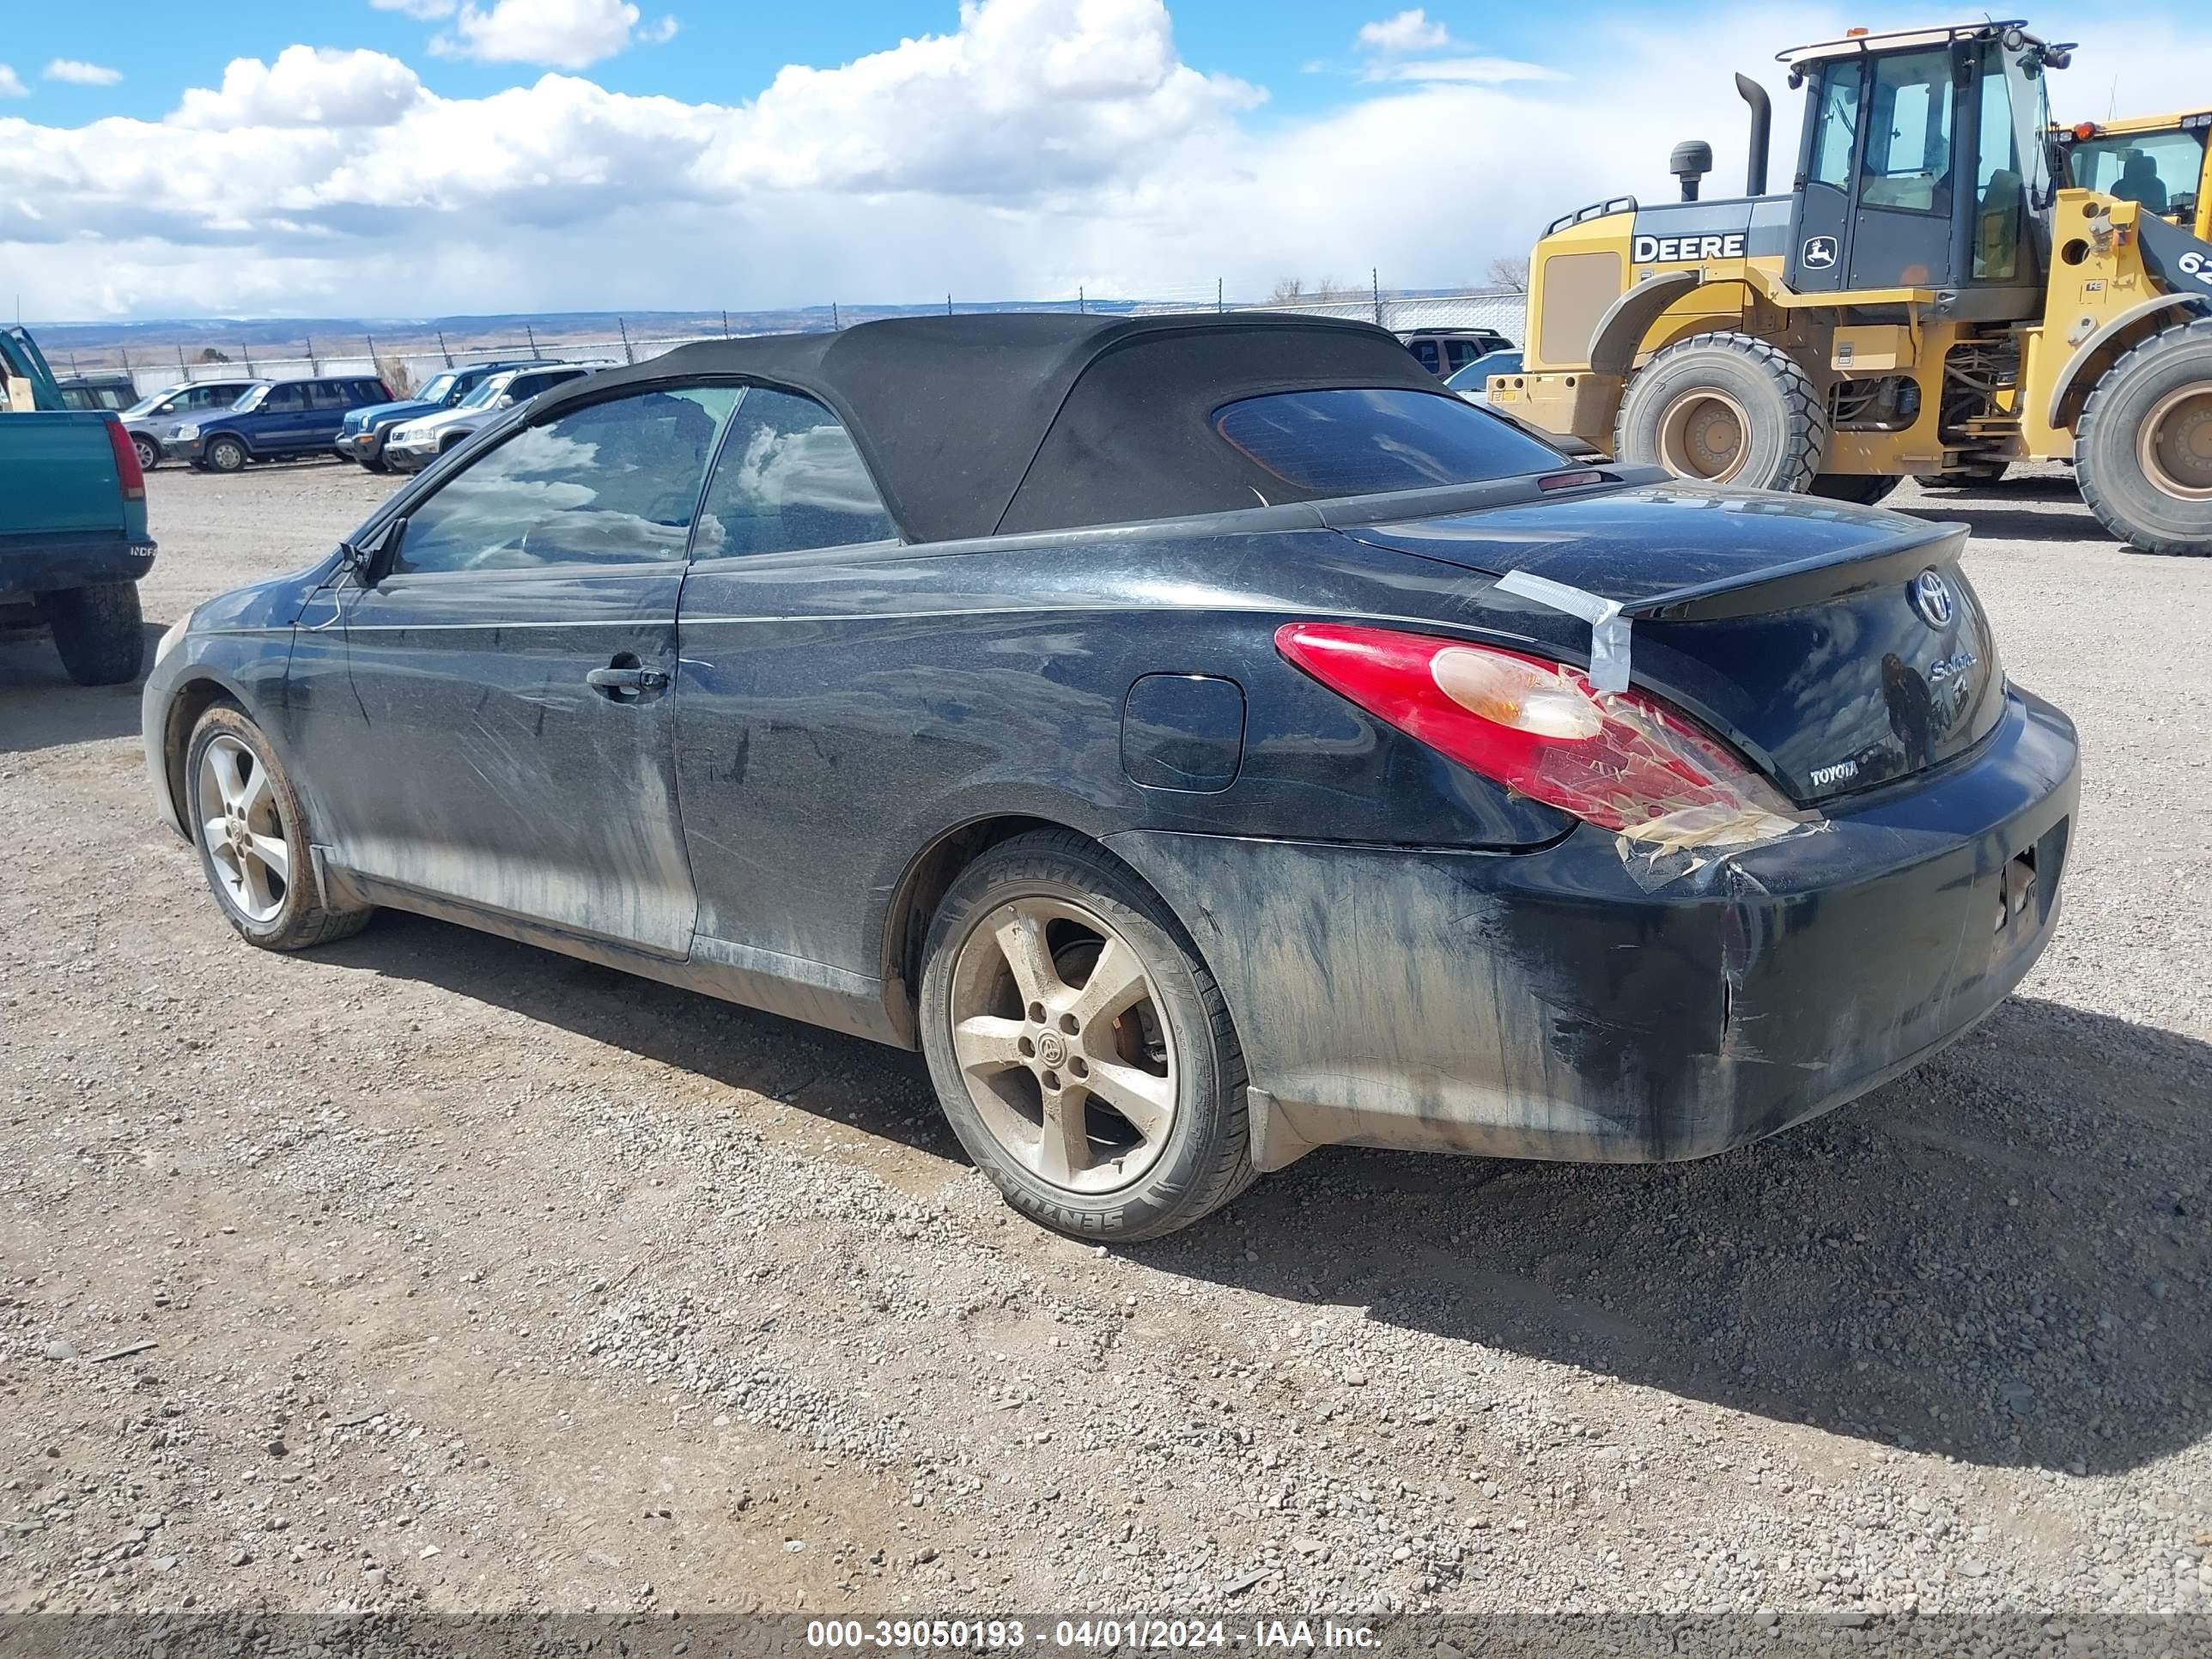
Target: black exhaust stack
{"type": "Point", "coordinates": [1762, 120]}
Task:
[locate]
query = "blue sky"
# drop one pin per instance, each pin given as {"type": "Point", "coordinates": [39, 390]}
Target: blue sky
{"type": "Point", "coordinates": [722, 52]}
{"type": "Point", "coordinates": [412, 157]}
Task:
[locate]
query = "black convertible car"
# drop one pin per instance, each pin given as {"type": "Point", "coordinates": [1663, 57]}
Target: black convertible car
{"type": "Point", "coordinates": [1206, 738]}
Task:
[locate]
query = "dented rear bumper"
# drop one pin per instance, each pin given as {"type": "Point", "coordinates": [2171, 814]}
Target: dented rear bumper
{"type": "Point", "coordinates": [1544, 1005]}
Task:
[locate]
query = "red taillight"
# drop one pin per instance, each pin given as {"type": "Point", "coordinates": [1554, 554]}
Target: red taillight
{"type": "Point", "coordinates": [1622, 761]}
{"type": "Point", "coordinates": [126, 460]}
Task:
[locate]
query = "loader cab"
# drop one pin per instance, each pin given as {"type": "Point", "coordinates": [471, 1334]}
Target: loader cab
{"type": "Point", "coordinates": [2159, 162]}
{"type": "Point", "coordinates": [1923, 165]}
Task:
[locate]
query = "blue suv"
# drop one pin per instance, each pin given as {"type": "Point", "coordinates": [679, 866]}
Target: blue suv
{"type": "Point", "coordinates": [361, 438]}
{"type": "Point", "coordinates": [274, 422]}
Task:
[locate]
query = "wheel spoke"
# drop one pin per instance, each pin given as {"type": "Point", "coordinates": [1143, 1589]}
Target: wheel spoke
{"type": "Point", "coordinates": [1021, 940]}
{"type": "Point", "coordinates": [986, 1043]}
{"type": "Point", "coordinates": [226, 864]}
{"type": "Point", "coordinates": [256, 796]}
{"type": "Point", "coordinates": [271, 851]}
{"type": "Point", "coordinates": [254, 877]}
{"type": "Point", "coordinates": [215, 835]}
{"type": "Point", "coordinates": [1146, 1101]}
{"type": "Point", "coordinates": [1064, 1143]}
{"type": "Point", "coordinates": [224, 759]}
{"type": "Point", "coordinates": [1116, 984]}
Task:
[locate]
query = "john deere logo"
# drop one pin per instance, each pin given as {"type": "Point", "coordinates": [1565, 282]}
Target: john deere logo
{"type": "Point", "coordinates": [1820, 252]}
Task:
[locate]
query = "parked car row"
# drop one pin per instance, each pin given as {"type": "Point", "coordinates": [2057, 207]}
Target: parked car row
{"type": "Point", "coordinates": [419, 440]}
{"type": "Point", "coordinates": [219, 426]}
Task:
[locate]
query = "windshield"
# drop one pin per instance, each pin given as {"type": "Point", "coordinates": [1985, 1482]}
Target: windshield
{"type": "Point", "coordinates": [438, 391]}
{"type": "Point", "coordinates": [151, 402]}
{"type": "Point", "coordinates": [2160, 170]}
{"type": "Point", "coordinates": [486, 391]}
{"type": "Point", "coordinates": [251, 399]}
{"type": "Point", "coordinates": [1363, 442]}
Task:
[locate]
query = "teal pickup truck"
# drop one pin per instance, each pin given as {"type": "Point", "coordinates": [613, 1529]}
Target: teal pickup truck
{"type": "Point", "coordinates": [73, 541]}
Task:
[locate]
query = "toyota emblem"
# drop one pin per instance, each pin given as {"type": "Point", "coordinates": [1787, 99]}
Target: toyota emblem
{"type": "Point", "coordinates": [1931, 597]}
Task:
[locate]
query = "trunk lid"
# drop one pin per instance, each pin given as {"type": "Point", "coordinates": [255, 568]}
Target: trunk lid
{"type": "Point", "coordinates": [1839, 647]}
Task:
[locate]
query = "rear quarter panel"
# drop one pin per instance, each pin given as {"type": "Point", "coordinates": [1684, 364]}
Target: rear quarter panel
{"type": "Point", "coordinates": [840, 712]}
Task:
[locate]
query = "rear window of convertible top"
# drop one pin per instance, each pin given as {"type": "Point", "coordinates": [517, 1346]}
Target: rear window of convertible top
{"type": "Point", "coordinates": [1362, 442]}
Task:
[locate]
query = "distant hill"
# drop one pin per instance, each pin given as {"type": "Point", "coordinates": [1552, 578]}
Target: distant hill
{"type": "Point", "coordinates": [106, 343]}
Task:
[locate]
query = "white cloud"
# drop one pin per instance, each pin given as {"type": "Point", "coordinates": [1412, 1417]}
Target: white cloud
{"type": "Point", "coordinates": [305, 86]}
{"type": "Point", "coordinates": [11, 84]}
{"type": "Point", "coordinates": [1474, 71]}
{"type": "Point", "coordinates": [565, 33]}
{"type": "Point", "coordinates": [428, 10]}
{"type": "Point", "coordinates": [1409, 31]}
{"type": "Point", "coordinates": [1039, 144]}
{"type": "Point", "coordinates": [77, 73]}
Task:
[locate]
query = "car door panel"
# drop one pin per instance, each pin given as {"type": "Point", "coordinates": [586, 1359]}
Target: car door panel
{"type": "Point", "coordinates": [513, 675]}
{"type": "Point", "coordinates": [489, 771]}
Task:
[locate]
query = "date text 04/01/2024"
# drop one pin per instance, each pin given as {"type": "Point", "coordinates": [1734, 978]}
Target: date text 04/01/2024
{"type": "Point", "coordinates": [987, 1634]}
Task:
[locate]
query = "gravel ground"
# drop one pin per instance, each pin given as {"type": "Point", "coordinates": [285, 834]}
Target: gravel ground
{"type": "Point", "coordinates": [480, 1279]}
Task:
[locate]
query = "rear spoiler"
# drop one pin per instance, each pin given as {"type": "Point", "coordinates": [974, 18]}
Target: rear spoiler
{"type": "Point", "coordinates": [1810, 582]}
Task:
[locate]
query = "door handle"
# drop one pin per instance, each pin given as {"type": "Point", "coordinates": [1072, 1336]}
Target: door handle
{"type": "Point", "coordinates": [627, 679]}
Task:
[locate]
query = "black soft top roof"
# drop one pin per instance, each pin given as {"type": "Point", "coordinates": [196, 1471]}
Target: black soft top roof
{"type": "Point", "coordinates": [982, 425]}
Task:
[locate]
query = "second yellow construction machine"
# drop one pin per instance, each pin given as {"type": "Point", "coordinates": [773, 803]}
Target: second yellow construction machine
{"type": "Point", "coordinates": [1948, 286]}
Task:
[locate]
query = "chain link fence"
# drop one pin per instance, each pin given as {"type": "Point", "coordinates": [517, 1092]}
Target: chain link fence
{"type": "Point", "coordinates": [406, 365]}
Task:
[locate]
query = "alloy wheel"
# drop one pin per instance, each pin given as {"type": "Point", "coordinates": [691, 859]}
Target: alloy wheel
{"type": "Point", "coordinates": [243, 828]}
{"type": "Point", "coordinates": [1061, 1045]}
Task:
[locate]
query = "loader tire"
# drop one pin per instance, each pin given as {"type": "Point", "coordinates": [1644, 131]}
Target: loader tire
{"type": "Point", "coordinates": [1861, 489]}
{"type": "Point", "coordinates": [1725, 408]}
{"type": "Point", "coordinates": [2142, 449]}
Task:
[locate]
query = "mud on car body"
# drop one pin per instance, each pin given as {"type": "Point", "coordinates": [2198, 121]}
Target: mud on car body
{"type": "Point", "coordinates": [1205, 740]}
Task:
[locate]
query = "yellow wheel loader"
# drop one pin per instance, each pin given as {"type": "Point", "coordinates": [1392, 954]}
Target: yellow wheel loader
{"type": "Point", "coordinates": [1935, 298]}
{"type": "Point", "coordinates": [2160, 161]}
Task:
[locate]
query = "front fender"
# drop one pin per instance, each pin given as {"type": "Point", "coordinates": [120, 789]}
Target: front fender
{"type": "Point", "coordinates": [2101, 349]}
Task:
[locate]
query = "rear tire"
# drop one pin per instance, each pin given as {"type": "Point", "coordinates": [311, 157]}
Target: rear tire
{"type": "Point", "coordinates": [1103, 1114]}
{"type": "Point", "coordinates": [2142, 449]}
{"type": "Point", "coordinates": [1861, 489]}
{"type": "Point", "coordinates": [246, 820]}
{"type": "Point", "coordinates": [1725, 408]}
{"type": "Point", "coordinates": [98, 631]}
{"type": "Point", "coordinates": [224, 454]}
{"type": "Point", "coordinates": [1968, 477]}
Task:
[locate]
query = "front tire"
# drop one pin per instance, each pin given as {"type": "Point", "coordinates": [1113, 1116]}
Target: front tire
{"type": "Point", "coordinates": [1725, 408]}
{"type": "Point", "coordinates": [1968, 477]}
{"type": "Point", "coordinates": [224, 454]}
{"type": "Point", "coordinates": [1080, 1049]}
{"type": "Point", "coordinates": [98, 631]}
{"type": "Point", "coordinates": [251, 832]}
{"type": "Point", "coordinates": [2142, 449]}
{"type": "Point", "coordinates": [149, 453]}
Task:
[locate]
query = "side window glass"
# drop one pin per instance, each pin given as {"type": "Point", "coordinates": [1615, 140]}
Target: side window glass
{"type": "Point", "coordinates": [1908, 151]}
{"type": "Point", "coordinates": [1997, 192]}
{"type": "Point", "coordinates": [788, 478]}
{"type": "Point", "coordinates": [1840, 125]}
{"type": "Point", "coordinates": [1424, 352]}
{"type": "Point", "coordinates": [610, 484]}
{"type": "Point", "coordinates": [328, 394]}
{"type": "Point", "coordinates": [286, 399]}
